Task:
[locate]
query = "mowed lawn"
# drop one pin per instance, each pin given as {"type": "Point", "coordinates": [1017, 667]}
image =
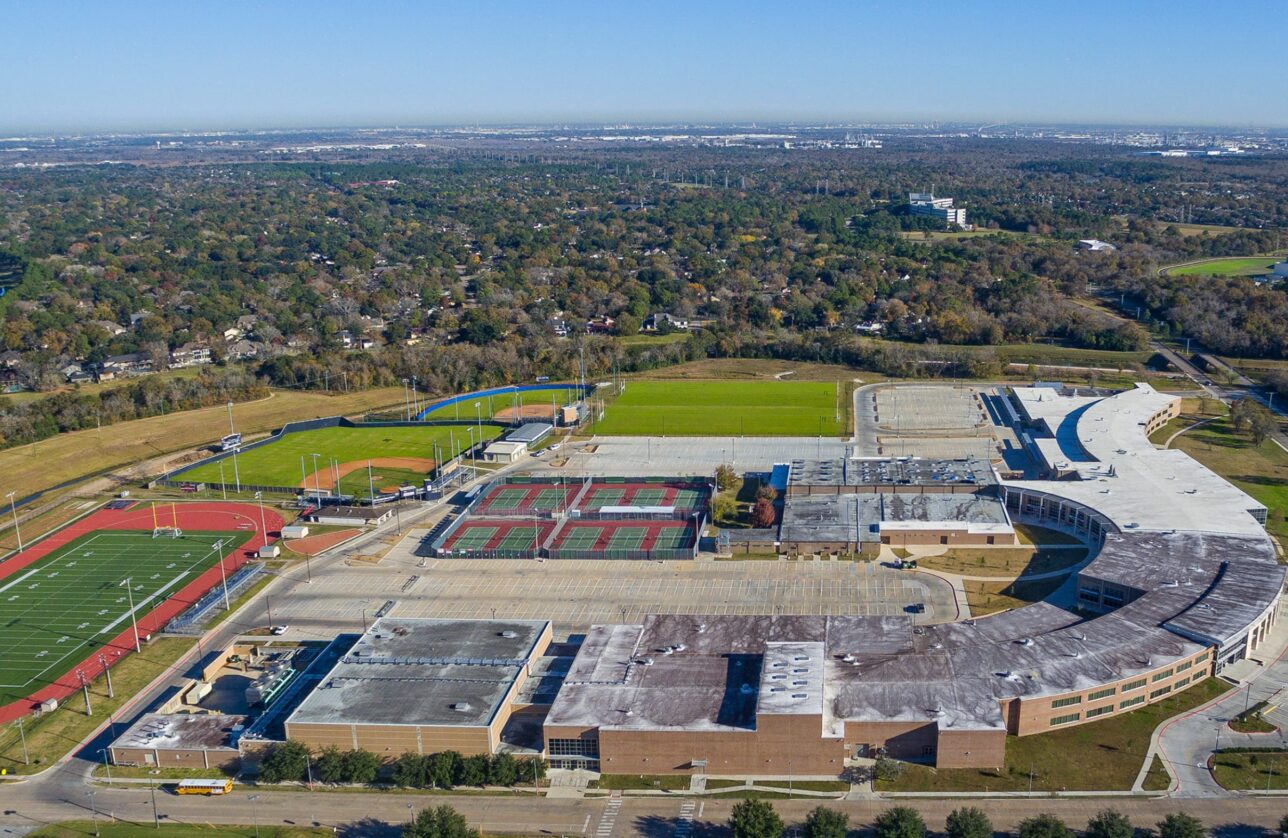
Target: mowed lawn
{"type": "Point", "coordinates": [725, 408]}
{"type": "Point", "coordinates": [1249, 266]}
{"type": "Point", "coordinates": [489, 405]}
{"type": "Point", "coordinates": [55, 611]}
{"type": "Point", "coordinates": [279, 463]}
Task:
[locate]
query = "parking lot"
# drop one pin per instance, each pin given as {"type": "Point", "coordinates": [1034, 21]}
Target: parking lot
{"type": "Point", "coordinates": [577, 594]}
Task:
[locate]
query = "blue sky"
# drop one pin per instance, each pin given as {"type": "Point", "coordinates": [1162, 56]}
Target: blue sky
{"type": "Point", "coordinates": [142, 64]}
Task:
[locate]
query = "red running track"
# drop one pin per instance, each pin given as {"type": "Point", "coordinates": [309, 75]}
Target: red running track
{"type": "Point", "coordinates": [211, 516]}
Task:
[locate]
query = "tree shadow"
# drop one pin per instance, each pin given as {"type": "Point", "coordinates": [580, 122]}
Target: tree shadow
{"type": "Point", "coordinates": [655, 826]}
{"type": "Point", "coordinates": [369, 828]}
{"type": "Point", "coordinates": [1238, 830]}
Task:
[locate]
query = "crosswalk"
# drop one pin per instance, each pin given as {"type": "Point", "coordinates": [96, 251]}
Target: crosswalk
{"type": "Point", "coordinates": [609, 818]}
{"type": "Point", "coordinates": [684, 824]}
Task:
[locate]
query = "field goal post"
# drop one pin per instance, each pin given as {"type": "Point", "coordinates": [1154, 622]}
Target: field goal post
{"type": "Point", "coordinates": [171, 530]}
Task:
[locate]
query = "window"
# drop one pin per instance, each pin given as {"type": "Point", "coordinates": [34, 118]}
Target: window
{"type": "Point", "coordinates": [943, 539]}
{"type": "Point", "coordinates": [1098, 694]}
{"type": "Point", "coordinates": [1064, 720]}
{"type": "Point", "coordinates": [1161, 676]}
{"type": "Point", "coordinates": [1100, 711]}
{"type": "Point", "coordinates": [1131, 702]}
{"type": "Point", "coordinates": [574, 747]}
{"type": "Point", "coordinates": [1181, 667]}
{"type": "Point", "coordinates": [1065, 702]}
{"type": "Point", "coordinates": [1161, 691]}
{"type": "Point", "coordinates": [1133, 685]}
{"type": "Point", "coordinates": [992, 539]}
{"type": "Point", "coordinates": [1182, 682]}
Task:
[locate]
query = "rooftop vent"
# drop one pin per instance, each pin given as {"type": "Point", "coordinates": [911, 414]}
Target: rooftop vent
{"type": "Point", "coordinates": [509, 635]}
{"type": "Point", "coordinates": [462, 707]}
{"type": "Point", "coordinates": [799, 695]}
{"type": "Point", "coordinates": [747, 689]}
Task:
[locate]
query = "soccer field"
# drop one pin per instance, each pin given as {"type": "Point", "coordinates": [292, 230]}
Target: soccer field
{"type": "Point", "coordinates": [57, 611]}
{"type": "Point", "coordinates": [1249, 266]}
{"type": "Point", "coordinates": [726, 408]}
{"type": "Point", "coordinates": [279, 463]}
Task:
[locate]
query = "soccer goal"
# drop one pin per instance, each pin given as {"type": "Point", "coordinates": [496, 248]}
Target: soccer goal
{"type": "Point", "coordinates": [170, 530]}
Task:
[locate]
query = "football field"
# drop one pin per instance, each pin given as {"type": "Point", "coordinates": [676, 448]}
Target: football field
{"type": "Point", "coordinates": [57, 611]}
{"type": "Point", "coordinates": [726, 408]}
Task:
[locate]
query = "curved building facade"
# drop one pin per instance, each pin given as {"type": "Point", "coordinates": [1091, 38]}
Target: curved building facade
{"type": "Point", "coordinates": [1184, 582]}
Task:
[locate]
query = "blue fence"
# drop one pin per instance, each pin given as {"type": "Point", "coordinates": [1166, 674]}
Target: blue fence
{"type": "Point", "coordinates": [502, 391]}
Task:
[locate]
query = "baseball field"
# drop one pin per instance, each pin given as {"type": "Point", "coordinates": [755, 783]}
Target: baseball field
{"type": "Point", "coordinates": [726, 408]}
{"type": "Point", "coordinates": [1249, 266]}
{"type": "Point", "coordinates": [401, 453]}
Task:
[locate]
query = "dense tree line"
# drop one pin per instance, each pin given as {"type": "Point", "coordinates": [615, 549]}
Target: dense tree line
{"type": "Point", "coordinates": [292, 761]}
{"type": "Point", "coordinates": [148, 396]}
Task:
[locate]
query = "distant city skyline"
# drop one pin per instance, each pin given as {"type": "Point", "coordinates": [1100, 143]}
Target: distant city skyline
{"type": "Point", "coordinates": [147, 65]}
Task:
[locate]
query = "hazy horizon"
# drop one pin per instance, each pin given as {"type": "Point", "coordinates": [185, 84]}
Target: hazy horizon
{"type": "Point", "coordinates": [141, 66]}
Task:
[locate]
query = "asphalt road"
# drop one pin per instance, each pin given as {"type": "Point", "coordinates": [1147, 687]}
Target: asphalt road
{"type": "Point", "coordinates": [376, 814]}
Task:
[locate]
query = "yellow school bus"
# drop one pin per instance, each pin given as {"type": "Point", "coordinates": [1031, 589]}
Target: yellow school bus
{"type": "Point", "coordinates": [206, 787]}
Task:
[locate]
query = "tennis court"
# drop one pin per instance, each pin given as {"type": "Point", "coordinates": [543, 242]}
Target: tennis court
{"type": "Point", "coordinates": [509, 538]}
{"type": "Point", "coordinates": [609, 537]}
{"type": "Point", "coordinates": [56, 611]}
{"type": "Point", "coordinates": [526, 498]}
{"type": "Point", "coordinates": [678, 495]}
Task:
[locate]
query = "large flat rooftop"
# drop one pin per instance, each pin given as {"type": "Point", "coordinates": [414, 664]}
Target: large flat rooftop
{"type": "Point", "coordinates": [424, 672]}
{"type": "Point", "coordinates": [181, 731]}
{"type": "Point", "coordinates": [893, 472]}
{"type": "Point", "coordinates": [861, 518]}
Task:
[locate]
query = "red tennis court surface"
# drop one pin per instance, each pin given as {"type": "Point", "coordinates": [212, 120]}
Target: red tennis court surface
{"type": "Point", "coordinates": [484, 535]}
{"type": "Point", "coordinates": [240, 517]}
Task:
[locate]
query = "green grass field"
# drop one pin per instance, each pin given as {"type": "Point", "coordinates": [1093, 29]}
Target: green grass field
{"type": "Point", "coordinates": [1250, 266]}
{"type": "Point", "coordinates": [490, 405]}
{"type": "Point", "coordinates": [726, 408]}
{"type": "Point", "coordinates": [54, 612]}
{"type": "Point", "coordinates": [278, 464]}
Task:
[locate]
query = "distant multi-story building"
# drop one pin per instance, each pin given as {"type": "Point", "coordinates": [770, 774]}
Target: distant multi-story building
{"type": "Point", "coordinates": [925, 203]}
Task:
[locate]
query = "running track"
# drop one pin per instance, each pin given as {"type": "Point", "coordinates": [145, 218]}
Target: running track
{"type": "Point", "coordinates": [219, 517]}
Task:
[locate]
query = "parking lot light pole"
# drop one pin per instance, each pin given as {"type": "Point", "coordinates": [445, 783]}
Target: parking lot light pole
{"type": "Point", "coordinates": [254, 808]}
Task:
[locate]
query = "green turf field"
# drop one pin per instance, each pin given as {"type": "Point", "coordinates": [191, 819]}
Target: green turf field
{"type": "Point", "coordinates": [489, 405]}
{"type": "Point", "coordinates": [54, 612]}
{"type": "Point", "coordinates": [1250, 266]}
{"type": "Point", "coordinates": [278, 464]}
{"type": "Point", "coordinates": [725, 408]}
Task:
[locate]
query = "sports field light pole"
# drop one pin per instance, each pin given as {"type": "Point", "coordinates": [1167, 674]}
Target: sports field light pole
{"type": "Point", "coordinates": [14, 509]}
{"type": "Point", "coordinates": [406, 402]}
{"type": "Point", "coordinates": [107, 672]}
{"type": "Point", "coordinates": [223, 573]}
{"type": "Point", "coordinates": [222, 484]}
{"type": "Point", "coordinates": [317, 479]}
{"type": "Point", "coordinates": [263, 525]}
{"type": "Point", "coordinates": [128, 582]}
{"type": "Point", "coordinates": [478, 411]}
{"type": "Point", "coordinates": [232, 429]}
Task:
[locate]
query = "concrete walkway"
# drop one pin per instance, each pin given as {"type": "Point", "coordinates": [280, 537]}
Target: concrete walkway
{"type": "Point", "coordinates": [1186, 742]}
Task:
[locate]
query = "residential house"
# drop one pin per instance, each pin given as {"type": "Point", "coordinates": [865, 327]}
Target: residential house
{"type": "Point", "coordinates": [244, 350]}
{"type": "Point", "coordinates": [233, 333]}
{"type": "Point", "coordinates": [602, 325]}
{"type": "Point", "coordinates": [191, 354]}
{"type": "Point", "coordinates": [108, 326]}
{"type": "Point", "coordinates": [662, 320]}
{"type": "Point", "coordinates": [133, 363]}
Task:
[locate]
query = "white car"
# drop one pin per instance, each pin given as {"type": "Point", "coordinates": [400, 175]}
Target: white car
{"type": "Point", "coordinates": [280, 630]}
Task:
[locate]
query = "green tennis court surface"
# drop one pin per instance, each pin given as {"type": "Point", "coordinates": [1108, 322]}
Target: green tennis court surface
{"type": "Point", "coordinates": [57, 611]}
{"type": "Point", "coordinates": [648, 497]}
{"type": "Point", "coordinates": [627, 538]}
{"type": "Point", "coordinates": [605, 497]}
{"type": "Point", "coordinates": [473, 538]}
{"type": "Point", "coordinates": [507, 498]}
{"type": "Point", "coordinates": [581, 538]}
{"type": "Point", "coordinates": [521, 539]}
{"type": "Point", "coordinates": [672, 538]}
{"type": "Point", "coordinates": [549, 499]}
